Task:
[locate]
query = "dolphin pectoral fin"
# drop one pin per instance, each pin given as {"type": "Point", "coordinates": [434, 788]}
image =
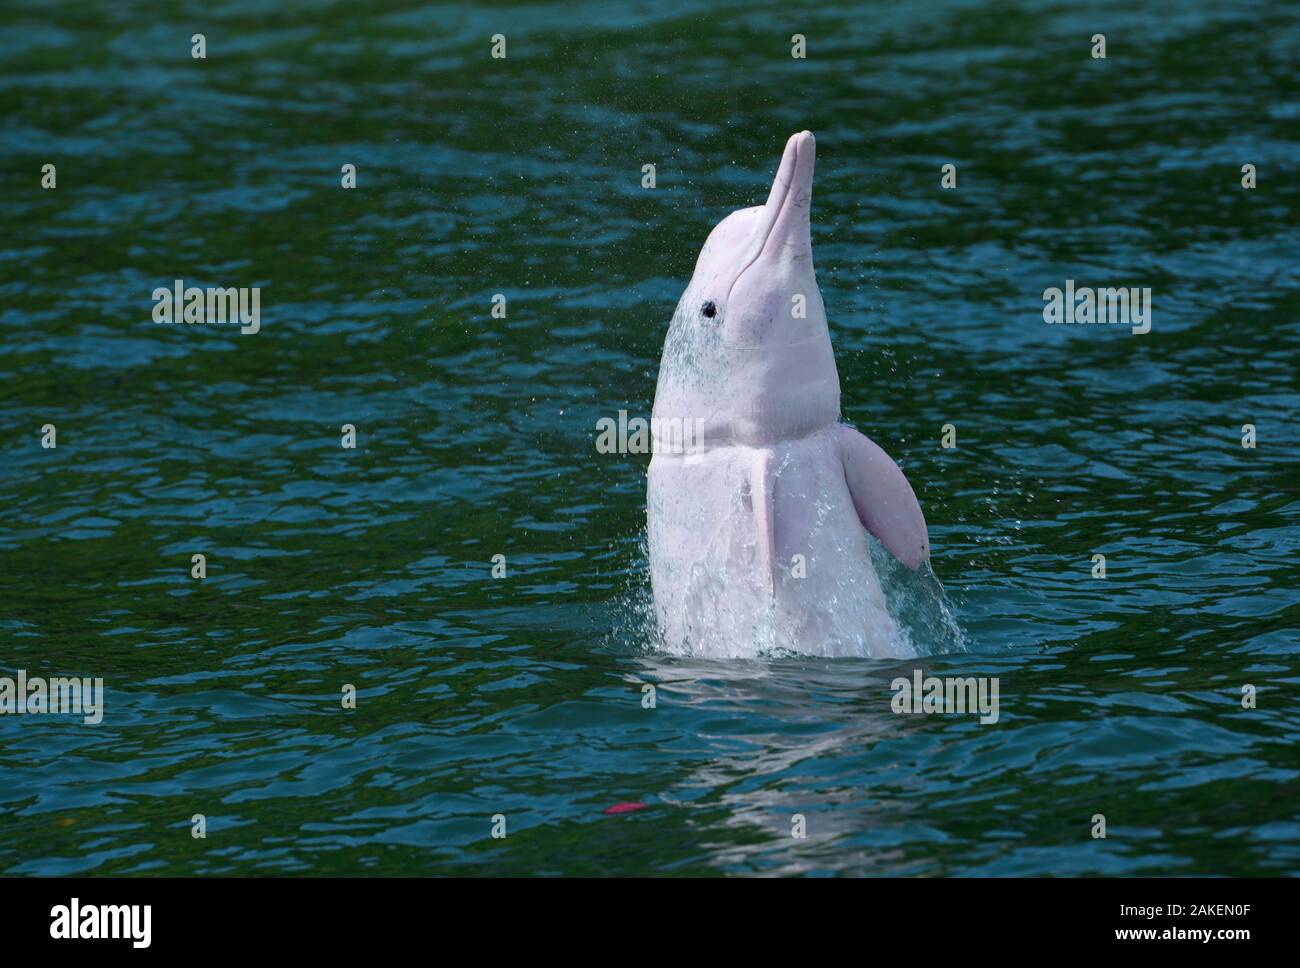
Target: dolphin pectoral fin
{"type": "Point", "coordinates": [762, 484]}
{"type": "Point", "coordinates": [884, 500]}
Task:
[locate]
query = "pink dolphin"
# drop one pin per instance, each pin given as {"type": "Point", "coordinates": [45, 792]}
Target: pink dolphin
{"type": "Point", "coordinates": [757, 494]}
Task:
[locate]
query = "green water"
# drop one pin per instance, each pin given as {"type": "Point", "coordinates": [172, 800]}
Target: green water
{"type": "Point", "coordinates": [522, 696]}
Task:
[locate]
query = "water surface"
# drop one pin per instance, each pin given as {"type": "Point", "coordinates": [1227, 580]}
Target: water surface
{"type": "Point", "coordinates": [523, 696]}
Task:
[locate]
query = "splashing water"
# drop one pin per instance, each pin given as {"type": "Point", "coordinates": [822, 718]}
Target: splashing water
{"type": "Point", "coordinates": [924, 616]}
{"type": "Point", "coordinates": [919, 604]}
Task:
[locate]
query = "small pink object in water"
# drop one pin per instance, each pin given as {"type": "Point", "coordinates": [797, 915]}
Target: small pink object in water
{"type": "Point", "coordinates": [627, 806]}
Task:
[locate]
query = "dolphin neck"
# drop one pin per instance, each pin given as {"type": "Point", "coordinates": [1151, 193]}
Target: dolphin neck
{"type": "Point", "coordinates": [669, 439]}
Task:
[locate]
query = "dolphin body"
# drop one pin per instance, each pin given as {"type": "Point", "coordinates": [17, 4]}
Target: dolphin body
{"type": "Point", "coordinates": [755, 530]}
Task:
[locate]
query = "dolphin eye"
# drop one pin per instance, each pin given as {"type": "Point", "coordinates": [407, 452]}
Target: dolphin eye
{"type": "Point", "coordinates": [709, 309]}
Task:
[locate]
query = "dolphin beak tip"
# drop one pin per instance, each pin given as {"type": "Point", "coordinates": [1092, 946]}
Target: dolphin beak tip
{"type": "Point", "coordinates": [801, 154]}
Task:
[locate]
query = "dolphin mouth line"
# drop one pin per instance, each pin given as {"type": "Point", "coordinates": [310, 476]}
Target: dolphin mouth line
{"type": "Point", "coordinates": [776, 217]}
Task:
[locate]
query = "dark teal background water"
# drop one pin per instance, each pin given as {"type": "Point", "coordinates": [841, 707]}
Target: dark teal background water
{"type": "Point", "coordinates": [522, 696]}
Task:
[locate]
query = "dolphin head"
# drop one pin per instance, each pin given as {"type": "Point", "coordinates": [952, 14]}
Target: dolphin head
{"type": "Point", "coordinates": [748, 352]}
